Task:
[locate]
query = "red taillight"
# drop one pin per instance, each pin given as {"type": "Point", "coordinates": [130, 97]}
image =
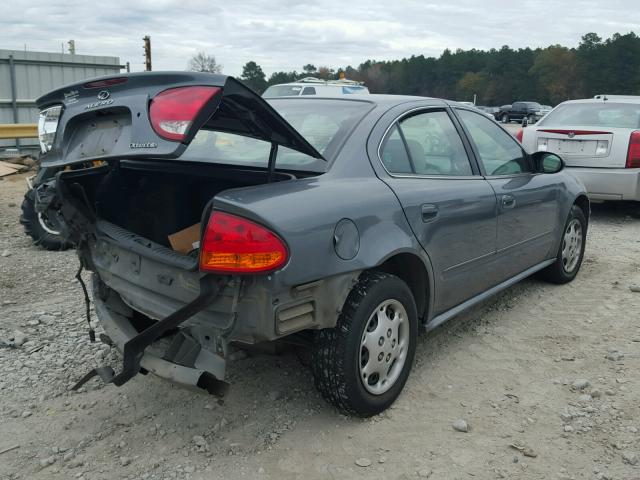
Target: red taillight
{"type": "Point", "coordinates": [172, 112]}
{"type": "Point", "coordinates": [519, 134]}
{"type": "Point", "coordinates": [109, 82]}
{"type": "Point", "coordinates": [633, 154]}
{"type": "Point", "coordinates": [234, 244]}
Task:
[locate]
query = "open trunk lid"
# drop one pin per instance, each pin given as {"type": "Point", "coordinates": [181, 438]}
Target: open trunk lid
{"type": "Point", "coordinates": [109, 117]}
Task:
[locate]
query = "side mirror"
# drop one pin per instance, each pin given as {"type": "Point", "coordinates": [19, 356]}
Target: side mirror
{"type": "Point", "coordinates": [547, 162]}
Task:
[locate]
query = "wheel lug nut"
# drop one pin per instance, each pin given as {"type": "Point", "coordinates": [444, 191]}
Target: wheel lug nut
{"type": "Point", "coordinates": [381, 341]}
{"type": "Point", "coordinates": [380, 356]}
{"type": "Point", "coordinates": [389, 333]}
{"type": "Point", "coordinates": [388, 357]}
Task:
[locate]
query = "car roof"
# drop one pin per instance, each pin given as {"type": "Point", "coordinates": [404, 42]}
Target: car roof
{"type": "Point", "coordinates": [614, 99]}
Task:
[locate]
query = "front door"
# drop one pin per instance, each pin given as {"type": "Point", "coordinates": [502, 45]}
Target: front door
{"type": "Point", "coordinates": [527, 201]}
{"type": "Point", "coordinates": [450, 207]}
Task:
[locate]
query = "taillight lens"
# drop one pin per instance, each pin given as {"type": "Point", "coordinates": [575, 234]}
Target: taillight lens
{"type": "Point", "coordinates": [519, 134]}
{"type": "Point", "coordinates": [172, 112]}
{"type": "Point", "coordinates": [233, 244]}
{"type": "Point", "coordinates": [633, 154]}
{"type": "Point", "coordinates": [47, 126]}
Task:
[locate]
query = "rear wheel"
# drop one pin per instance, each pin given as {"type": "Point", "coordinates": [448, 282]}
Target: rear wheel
{"type": "Point", "coordinates": [44, 228]}
{"type": "Point", "coordinates": [362, 364]}
{"type": "Point", "coordinates": [505, 118]}
{"type": "Point", "coordinates": [571, 250]}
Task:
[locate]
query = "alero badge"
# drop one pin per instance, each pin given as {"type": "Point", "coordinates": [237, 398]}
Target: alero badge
{"type": "Point", "coordinates": [143, 145]}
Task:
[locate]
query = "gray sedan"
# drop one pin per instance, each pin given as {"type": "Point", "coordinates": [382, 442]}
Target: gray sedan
{"type": "Point", "coordinates": [212, 218]}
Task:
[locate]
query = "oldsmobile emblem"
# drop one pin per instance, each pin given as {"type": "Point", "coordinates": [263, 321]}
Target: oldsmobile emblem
{"type": "Point", "coordinates": [571, 134]}
{"type": "Point", "coordinates": [103, 95]}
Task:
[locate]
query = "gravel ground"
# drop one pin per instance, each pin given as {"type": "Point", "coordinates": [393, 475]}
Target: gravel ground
{"type": "Point", "coordinates": [540, 382]}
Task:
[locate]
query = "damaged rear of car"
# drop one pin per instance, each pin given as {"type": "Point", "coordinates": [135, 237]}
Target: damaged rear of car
{"type": "Point", "coordinates": [179, 269]}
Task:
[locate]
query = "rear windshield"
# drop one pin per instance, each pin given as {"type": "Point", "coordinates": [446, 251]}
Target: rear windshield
{"type": "Point", "coordinates": [324, 123]}
{"type": "Point", "coordinates": [282, 91]}
{"type": "Point", "coordinates": [354, 89]}
{"type": "Point", "coordinates": [614, 115]}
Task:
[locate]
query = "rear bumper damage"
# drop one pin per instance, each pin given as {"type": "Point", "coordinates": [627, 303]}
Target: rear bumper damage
{"type": "Point", "coordinates": [173, 355]}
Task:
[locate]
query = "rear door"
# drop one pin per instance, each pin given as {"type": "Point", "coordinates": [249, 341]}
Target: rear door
{"type": "Point", "coordinates": [450, 207]}
{"type": "Point", "coordinates": [527, 202]}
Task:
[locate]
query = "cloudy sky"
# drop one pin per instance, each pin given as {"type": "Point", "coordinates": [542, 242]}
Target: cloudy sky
{"type": "Point", "coordinates": [286, 34]}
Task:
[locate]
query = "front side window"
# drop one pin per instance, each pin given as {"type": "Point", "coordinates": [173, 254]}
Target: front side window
{"type": "Point", "coordinates": [499, 152]}
{"type": "Point", "coordinates": [425, 144]}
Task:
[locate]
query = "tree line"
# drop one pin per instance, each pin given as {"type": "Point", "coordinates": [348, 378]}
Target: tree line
{"type": "Point", "coordinates": [498, 76]}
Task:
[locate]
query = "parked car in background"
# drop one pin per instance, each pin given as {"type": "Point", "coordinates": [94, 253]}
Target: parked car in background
{"type": "Point", "coordinates": [518, 111]}
{"type": "Point", "coordinates": [316, 86]}
{"type": "Point", "coordinates": [341, 225]}
{"type": "Point", "coordinates": [599, 139]}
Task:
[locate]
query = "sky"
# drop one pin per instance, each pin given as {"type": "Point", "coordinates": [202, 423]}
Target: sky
{"type": "Point", "coordinates": [287, 34]}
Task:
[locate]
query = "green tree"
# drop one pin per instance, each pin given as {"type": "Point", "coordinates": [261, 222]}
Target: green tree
{"type": "Point", "coordinates": [254, 77]}
{"type": "Point", "coordinates": [555, 72]}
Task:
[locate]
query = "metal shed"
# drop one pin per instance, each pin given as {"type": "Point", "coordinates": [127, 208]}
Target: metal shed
{"type": "Point", "coordinates": [25, 75]}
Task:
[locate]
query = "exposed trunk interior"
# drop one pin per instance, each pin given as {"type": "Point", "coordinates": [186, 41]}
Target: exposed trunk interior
{"type": "Point", "coordinates": [155, 199]}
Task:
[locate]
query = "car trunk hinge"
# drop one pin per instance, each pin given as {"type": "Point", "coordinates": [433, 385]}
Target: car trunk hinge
{"type": "Point", "coordinates": [273, 154]}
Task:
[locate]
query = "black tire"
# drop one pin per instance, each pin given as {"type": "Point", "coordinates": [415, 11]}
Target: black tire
{"type": "Point", "coordinates": [557, 272]}
{"type": "Point", "coordinates": [34, 228]}
{"type": "Point", "coordinates": [505, 118]}
{"type": "Point", "coordinates": [338, 351]}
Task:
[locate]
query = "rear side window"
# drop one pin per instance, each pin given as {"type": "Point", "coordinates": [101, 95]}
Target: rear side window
{"type": "Point", "coordinates": [612, 115]}
{"type": "Point", "coordinates": [309, 91]}
{"type": "Point", "coordinates": [499, 152]}
{"type": "Point", "coordinates": [426, 143]}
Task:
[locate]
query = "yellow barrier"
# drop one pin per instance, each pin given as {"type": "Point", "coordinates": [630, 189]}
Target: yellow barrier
{"type": "Point", "coordinates": [18, 130]}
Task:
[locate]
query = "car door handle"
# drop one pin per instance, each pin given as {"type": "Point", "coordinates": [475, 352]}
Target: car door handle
{"type": "Point", "coordinates": [429, 212]}
{"type": "Point", "coordinates": [508, 201]}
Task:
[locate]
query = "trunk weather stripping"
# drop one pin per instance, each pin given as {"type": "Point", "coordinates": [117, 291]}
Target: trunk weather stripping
{"type": "Point", "coordinates": [210, 288]}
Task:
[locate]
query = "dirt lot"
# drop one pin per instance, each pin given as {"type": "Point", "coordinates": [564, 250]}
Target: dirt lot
{"type": "Point", "coordinates": [550, 370]}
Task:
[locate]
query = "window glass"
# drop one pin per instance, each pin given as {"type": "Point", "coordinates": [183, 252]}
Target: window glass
{"type": "Point", "coordinates": [612, 115]}
{"type": "Point", "coordinates": [435, 148]}
{"type": "Point", "coordinates": [282, 91]}
{"type": "Point", "coordinates": [393, 153]}
{"type": "Point", "coordinates": [309, 91]}
{"type": "Point", "coordinates": [323, 123]}
{"type": "Point", "coordinates": [499, 152]}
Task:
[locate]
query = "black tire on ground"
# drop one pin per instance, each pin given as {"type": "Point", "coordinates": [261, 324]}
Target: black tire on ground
{"type": "Point", "coordinates": [558, 272]}
{"type": "Point", "coordinates": [36, 230]}
{"type": "Point", "coordinates": [505, 118]}
{"type": "Point", "coordinates": [337, 360]}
